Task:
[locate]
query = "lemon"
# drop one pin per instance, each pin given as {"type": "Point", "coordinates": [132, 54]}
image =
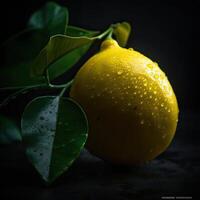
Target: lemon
{"type": "Point", "coordinates": [131, 107]}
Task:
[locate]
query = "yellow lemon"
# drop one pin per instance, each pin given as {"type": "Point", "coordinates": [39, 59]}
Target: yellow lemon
{"type": "Point", "coordinates": [131, 107]}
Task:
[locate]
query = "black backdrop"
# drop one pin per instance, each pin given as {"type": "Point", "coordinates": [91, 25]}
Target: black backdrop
{"type": "Point", "coordinates": [166, 31]}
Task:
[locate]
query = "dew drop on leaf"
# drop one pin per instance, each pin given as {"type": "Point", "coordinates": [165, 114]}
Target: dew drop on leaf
{"type": "Point", "coordinates": [41, 118]}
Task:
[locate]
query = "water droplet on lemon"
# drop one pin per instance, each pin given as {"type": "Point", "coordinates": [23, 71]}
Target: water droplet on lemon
{"type": "Point", "coordinates": [119, 72]}
{"type": "Point", "coordinates": [142, 121]}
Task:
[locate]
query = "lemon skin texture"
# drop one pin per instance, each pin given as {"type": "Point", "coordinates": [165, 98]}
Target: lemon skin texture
{"type": "Point", "coordinates": [131, 107]}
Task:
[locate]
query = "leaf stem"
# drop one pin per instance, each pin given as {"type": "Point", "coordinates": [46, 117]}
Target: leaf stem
{"type": "Point", "coordinates": [21, 91]}
{"type": "Point", "coordinates": [25, 90]}
{"type": "Point", "coordinates": [108, 32]}
{"type": "Point", "coordinates": [109, 36]}
{"type": "Point", "coordinates": [55, 86]}
{"type": "Point", "coordinates": [65, 88]}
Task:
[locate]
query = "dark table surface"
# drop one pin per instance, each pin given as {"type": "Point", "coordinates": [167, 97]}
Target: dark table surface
{"type": "Point", "coordinates": [175, 173]}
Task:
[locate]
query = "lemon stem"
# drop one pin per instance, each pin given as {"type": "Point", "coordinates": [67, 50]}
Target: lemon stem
{"type": "Point", "coordinates": [109, 36]}
{"type": "Point", "coordinates": [107, 33]}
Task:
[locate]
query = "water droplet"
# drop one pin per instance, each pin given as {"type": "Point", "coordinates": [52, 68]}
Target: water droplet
{"type": "Point", "coordinates": [129, 104]}
{"type": "Point", "coordinates": [155, 99]}
{"type": "Point", "coordinates": [165, 108]}
{"type": "Point", "coordinates": [130, 49]}
{"type": "Point", "coordinates": [164, 136]}
{"type": "Point", "coordinates": [155, 92]}
{"type": "Point", "coordinates": [150, 66]}
{"type": "Point", "coordinates": [150, 88]}
{"type": "Point", "coordinates": [152, 113]}
{"type": "Point", "coordinates": [141, 95]}
{"type": "Point", "coordinates": [145, 93]}
{"type": "Point", "coordinates": [128, 86]}
{"type": "Point", "coordinates": [156, 108]}
{"type": "Point", "coordinates": [135, 93]}
{"type": "Point", "coordinates": [156, 76]}
{"type": "Point", "coordinates": [145, 84]}
{"type": "Point", "coordinates": [168, 111]}
{"type": "Point", "coordinates": [107, 75]}
{"type": "Point", "coordinates": [162, 104]}
{"type": "Point", "coordinates": [142, 121]}
{"type": "Point", "coordinates": [150, 97]}
{"type": "Point", "coordinates": [41, 118]}
{"type": "Point", "coordinates": [119, 72]}
{"type": "Point", "coordinates": [141, 102]}
{"type": "Point", "coordinates": [136, 86]}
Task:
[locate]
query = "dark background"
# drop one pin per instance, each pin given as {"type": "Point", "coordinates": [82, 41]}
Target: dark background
{"type": "Point", "coordinates": [168, 33]}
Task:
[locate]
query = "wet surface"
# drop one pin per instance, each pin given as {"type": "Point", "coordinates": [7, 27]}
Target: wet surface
{"type": "Point", "coordinates": [174, 173]}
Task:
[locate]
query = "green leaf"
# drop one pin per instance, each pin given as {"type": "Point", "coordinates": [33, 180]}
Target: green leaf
{"type": "Point", "coordinates": [9, 132]}
{"type": "Point", "coordinates": [68, 60]}
{"type": "Point", "coordinates": [122, 32]}
{"type": "Point", "coordinates": [52, 17]}
{"type": "Point", "coordinates": [17, 53]}
{"type": "Point", "coordinates": [54, 130]}
{"type": "Point", "coordinates": [74, 31]}
{"type": "Point", "coordinates": [57, 47]}
{"type": "Point", "coordinates": [20, 51]}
